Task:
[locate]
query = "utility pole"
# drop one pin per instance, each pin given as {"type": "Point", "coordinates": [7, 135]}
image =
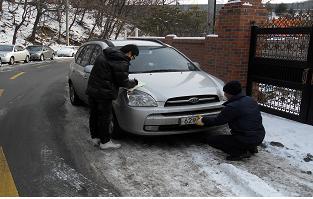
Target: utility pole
{"type": "Point", "coordinates": [67, 30]}
{"type": "Point", "coordinates": [214, 16]}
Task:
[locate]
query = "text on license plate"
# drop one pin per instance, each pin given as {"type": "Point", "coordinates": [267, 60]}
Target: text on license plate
{"type": "Point", "coordinates": [188, 120]}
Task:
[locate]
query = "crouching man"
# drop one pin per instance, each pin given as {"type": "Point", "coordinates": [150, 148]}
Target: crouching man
{"type": "Point", "coordinates": [243, 116]}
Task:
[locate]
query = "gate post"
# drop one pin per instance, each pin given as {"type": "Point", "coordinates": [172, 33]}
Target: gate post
{"type": "Point", "coordinates": [308, 93]}
{"type": "Point", "coordinates": [252, 49]}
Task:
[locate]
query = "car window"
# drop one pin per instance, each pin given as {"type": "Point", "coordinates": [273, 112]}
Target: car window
{"type": "Point", "coordinates": [160, 59]}
{"type": "Point", "coordinates": [6, 48]}
{"type": "Point", "coordinates": [95, 54]}
{"type": "Point", "coordinates": [19, 48]}
{"type": "Point", "coordinates": [34, 48]}
{"type": "Point", "coordinates": [87, 54]}
{"type": "Point", "coordinates": [78, 56]}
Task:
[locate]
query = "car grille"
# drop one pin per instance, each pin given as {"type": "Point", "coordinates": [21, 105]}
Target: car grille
{"type": "Point", "coordinates": [191, 100]}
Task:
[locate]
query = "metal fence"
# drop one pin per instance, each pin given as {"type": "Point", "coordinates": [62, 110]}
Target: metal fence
{"type": "Point", "coordinates": [280, 71]}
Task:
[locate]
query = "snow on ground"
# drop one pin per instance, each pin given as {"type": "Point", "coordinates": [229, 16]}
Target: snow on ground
{"type": "Point", "coordinates": [183, 165]}
{"type": "Point", "coordinates": [296, 140]}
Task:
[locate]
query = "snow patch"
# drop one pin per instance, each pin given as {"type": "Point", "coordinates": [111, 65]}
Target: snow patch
{"type": "Point", "coordinates": [240, 182]}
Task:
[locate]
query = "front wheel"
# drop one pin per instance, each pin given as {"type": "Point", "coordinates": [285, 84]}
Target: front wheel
{"type": "Point", "coordinates": [26, 59]}
{"type": "Point", "coordinates": [73, 96]}
{"type": "Point", "coordinates": [42, 58]}
{"type": "Point", "coordinates": [11, 62]}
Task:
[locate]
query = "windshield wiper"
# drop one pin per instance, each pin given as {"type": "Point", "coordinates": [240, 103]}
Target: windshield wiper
{"type": "Point", "coordinates": [165, 70]}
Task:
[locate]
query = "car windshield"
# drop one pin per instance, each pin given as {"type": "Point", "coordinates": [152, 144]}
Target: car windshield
{"type": "Point", "coordinates": [160, 59]}
{"type": "Point", "coordinates": [6, 48]}
{"type": "Point", "coordinates": [34, 48]}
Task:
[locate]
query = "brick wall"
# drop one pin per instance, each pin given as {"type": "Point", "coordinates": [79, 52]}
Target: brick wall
{"type": "Point", "coordinates": [226, 54]}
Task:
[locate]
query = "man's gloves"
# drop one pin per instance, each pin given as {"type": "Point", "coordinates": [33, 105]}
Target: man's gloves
{"type": "Point", "coordinates": [199, 121]}
{"type": "Point", "coordinates": [133, 83]}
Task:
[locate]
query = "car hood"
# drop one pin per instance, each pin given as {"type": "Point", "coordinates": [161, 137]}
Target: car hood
{"type": "Point", "coordinates": [163, 86]}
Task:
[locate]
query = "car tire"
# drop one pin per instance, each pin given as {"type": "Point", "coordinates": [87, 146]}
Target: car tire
{"type": "Point", "coordinates": [116, 131]}
{"type": "Point", "coordinates": [26, 59]}
{"type": "Point", "coordinates": [75, 101]}
{"type": "Point", "coordinates": [12, 61]}
{"type": "Point", "coordinates": [52, 58]}
{"type": "Point", "coordinates": [42, 58]}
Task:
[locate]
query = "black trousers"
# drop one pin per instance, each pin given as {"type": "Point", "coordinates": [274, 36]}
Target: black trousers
{"type": "Point", "coordinates": [100, 119]}
{"type": "Point", "coordinates": [229, 144]}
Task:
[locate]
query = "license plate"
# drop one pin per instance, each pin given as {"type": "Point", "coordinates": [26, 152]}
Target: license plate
{"type": "Point", "coordinates": [188, 120]}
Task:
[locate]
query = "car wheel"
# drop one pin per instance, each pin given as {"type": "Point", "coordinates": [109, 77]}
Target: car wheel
{"type": "Point", "coordinates": [26, 59]}
{"type": "Point", "coordinates": [42, 58]}
{"type": "Point", "coordinates": [52, 58]}
{"type": "Point", "coordinates": [73, 96]}
{"type": "Point", "coordinates": [116, 131]}
{"type": "Point", "coordinates": [11, 62]}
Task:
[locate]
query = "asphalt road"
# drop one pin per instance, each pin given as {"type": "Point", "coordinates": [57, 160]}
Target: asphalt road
{"type": "Point", "coordinates": [32, 120]}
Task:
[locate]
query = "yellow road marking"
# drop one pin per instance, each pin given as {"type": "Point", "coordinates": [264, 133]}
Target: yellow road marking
{"type": "Point", "coordinates": [17, 75]}
{"type": "Point", "coordinates": [7, 185]}
{"type": "Point", "coordinates": [1, 92]}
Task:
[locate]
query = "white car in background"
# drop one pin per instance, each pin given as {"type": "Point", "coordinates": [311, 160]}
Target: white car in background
{"type": "Point", "coordinates": [13, 53]}
{"type": "Point", "coordinates": [67, 51]}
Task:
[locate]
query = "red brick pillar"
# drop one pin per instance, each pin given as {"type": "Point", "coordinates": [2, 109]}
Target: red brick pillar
{"type": "Point", "coordinates": [233, 29]}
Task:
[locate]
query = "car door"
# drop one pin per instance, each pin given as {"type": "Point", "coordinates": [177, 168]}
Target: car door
{"type": "Point", "coordinates": [85, 60]}
{"type": "Point", "coordinates": [19, 53]}
{"type": "Point", "coordinates": [96, 52]}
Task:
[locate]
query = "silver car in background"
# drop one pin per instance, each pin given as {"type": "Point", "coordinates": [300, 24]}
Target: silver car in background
{"type": "Point", "coordinates": [39, 52]}
{"type": "Point", "coordinates": [13, 53]}
{"type": "Point", "coordinates": [176, 90]}
{"type": "Point", "coordinates": [67, 51]}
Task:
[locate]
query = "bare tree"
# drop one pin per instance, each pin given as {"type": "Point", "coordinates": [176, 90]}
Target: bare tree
{"type": "Point", "coordinates": [25, 15]}
{"type": "Point", "coordinates": [1, 3]}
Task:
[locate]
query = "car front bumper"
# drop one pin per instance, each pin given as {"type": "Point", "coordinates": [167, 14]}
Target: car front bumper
{"type": "Point", "coordinates": [162, 120]}
{"type": "Point", "coordinates": [34, 57]}
{"type": "Point", "coordinates": [5, 59]}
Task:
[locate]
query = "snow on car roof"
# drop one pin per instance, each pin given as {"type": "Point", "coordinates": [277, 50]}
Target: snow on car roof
{"type": "Point", "coordinates": [136, 42]}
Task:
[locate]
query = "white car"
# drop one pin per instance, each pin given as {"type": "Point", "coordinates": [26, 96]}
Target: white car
{"type": "Point", "coordinates": [67, 51]}
{"type": "Point", "coordinates": [13, 53]}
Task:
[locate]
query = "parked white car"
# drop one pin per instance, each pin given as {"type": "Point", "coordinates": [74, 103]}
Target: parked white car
{"type": "Point", "coordinates": [13, 53]}
{"type": "Point", "coordinates": [68, 51]}
{"type": "Point", "coordinates": [176, 90]}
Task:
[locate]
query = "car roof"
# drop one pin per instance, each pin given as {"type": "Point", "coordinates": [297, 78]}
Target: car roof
{"type": "Point", "coordinates": [136, 42]}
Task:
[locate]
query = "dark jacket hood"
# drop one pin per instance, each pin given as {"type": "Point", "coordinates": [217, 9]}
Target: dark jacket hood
{"type": "Point", "coordinates": [112, 53]}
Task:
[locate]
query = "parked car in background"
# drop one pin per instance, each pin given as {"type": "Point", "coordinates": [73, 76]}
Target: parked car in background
{"type": "Point", "coordinates": [176, 90]}
{"type": "Point", "coordinates": [13, 53]}
{"type": "Point", "coordinates": [67, 51]}
{"type": "Point", "coordinates": [39, 52]}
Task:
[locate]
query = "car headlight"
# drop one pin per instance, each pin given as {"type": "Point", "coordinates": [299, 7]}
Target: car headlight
{"type": "Point", "coordinates": [139, 98]}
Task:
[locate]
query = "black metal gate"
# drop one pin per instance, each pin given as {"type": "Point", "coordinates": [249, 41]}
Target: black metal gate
{"type": "Point", "coordinates": [280, 71]}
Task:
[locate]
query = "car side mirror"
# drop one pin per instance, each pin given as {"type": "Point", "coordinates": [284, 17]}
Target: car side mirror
{"type": "Point", "coordinates": [15, 50]}
{"type": "Point", "coordinates": [196, 64]}
{"type": "Point", "coordinates": [88, 68]}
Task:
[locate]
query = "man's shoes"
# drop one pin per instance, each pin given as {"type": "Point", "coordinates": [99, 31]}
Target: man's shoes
{"type": "Point", "coordinates": [109, 145]}
{"type": "Point", "coordinates": [238, 157]}
{"type": "Point", "coordinates": [95, 141]}
{"type": "Point", "coordinates": [253, 150]}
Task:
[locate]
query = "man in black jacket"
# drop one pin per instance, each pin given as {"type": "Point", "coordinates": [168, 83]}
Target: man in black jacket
{"type": "Point", "coordinates": [244, 119]}
{"type": "Point", "coordinates": [110, 72]}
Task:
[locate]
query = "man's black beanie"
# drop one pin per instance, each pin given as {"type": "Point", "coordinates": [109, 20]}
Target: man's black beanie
{"type": "Point", "coordinates": [232, 87]}
{"type": "Point", "coordinates": [130, 48]}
